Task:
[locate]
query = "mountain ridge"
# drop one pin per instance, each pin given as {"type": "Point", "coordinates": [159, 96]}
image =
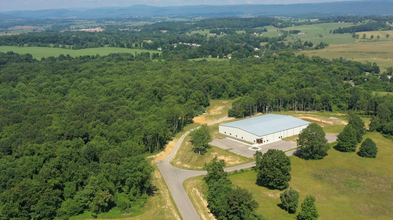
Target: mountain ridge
{"type": "Point", "coordinates": [327, 8]}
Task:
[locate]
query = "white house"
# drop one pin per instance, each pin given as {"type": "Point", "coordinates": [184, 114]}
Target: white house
{"type": "Point", "coordinates": [264, 129]}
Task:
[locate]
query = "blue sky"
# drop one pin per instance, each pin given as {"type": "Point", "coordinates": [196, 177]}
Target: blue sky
{"type": "Point", "coordinates": [11, 5]}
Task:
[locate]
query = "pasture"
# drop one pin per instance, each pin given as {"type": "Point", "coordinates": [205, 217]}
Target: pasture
{"type": "Point", "coordinates": [314, 33]}
{"type": "Point", "coordinates": [39, 52]}
{"type": "Point", "coordinates": [382, 35]}
{"type": "Point", "coordinates": [375, 51]}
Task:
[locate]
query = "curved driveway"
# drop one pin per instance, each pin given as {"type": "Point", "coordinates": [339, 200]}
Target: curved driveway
{"type": "Point", "coordinates": [174, 178]}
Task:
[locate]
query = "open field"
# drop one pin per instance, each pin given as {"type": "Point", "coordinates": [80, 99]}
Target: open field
{"type": "Point", "coordinates": [209, 59]}
{"type": "Point", "coordinates": [313, 32]}
{"type": "Point", "coordinates": [382, 35]}
{"type": "Point", "coordinates": [376, 51]}
{"type": "Point", "coordinates": [39, 52]}
{"type": "Point", "coordinates": [382, 93]}
{"type": "Point", "coordinates": [345, 185]}
{"type": "Point", "coordinates": [203, 32]}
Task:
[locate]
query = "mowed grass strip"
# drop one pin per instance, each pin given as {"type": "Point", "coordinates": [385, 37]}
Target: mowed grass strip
{"type": "Point", "coordinates": [39, 52]}
{"type": "Point", "coordinates": [345, 185]}
{"type": "Point", "coordinates": [186, 158]}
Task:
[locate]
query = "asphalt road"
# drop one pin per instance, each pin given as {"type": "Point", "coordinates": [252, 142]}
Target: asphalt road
{"type": "Point", "coordinates": [174, 178]}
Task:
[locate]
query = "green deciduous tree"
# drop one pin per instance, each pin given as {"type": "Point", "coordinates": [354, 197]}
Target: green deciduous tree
{"type": "Point", "coordinates": [368, 149]}
{"type": "Point", "coordinates": [347, 140]}
{"type": "Point", "coordinates": [290, 200]}
{"type": "Point", "coordinates": [312, 143]}
{"type": "Point", "coordinates": [215, 170]}
{"type": "Point", "coordinates": [273, 169]}
{"type": "Point", "coordinates": [357, 124]}
{"type": "Point", "coordinates": [200, 138]}
{"type": "Point", "coordinates": [241, 204]}
{"type": "Point", "coordinates": [309, 209]}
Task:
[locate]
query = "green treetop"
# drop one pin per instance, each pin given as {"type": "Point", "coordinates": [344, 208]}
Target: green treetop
{"type": "Point", "coordinates": [273, 169]}
{"type": "Point", "coordinates": [309, 209]}
{"type": "Point", "coordinates": [347, 140]}
{"type": "Point", "coordinates": [368, 149]}
{"type": "Point", "coordinates": [200, 139]}
{"type": "Point", "coordinates": [290, 200]}
{"type": "Point", "coordinates": [312, 143]}
{"type": "Point", "coordinates": [357, 123]}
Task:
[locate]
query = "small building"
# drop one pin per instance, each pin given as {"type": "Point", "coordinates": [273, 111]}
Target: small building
{"type": "Point", "coordinates": [264, 129]}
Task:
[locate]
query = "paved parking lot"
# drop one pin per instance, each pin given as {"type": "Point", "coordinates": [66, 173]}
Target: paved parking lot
{"type": "Point", "coordinates": [248, 150]}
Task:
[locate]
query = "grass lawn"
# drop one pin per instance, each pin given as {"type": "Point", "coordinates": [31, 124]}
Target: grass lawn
{"type": "Point", "coordinates": [39, 52]}
{"type": "Point", "coordinates": [186, 158]}
{"type": "Point", "coordinates": [345, 185]}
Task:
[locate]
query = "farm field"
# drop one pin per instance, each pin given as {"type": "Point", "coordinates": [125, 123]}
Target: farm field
{"type": "Point", "coordinates": [39, 52]}
{"type": "Point", "coordinates": [345, 185]}
{"type": "Point", "coordinates": [313, 32]}
{"type": "Point", "coordinates": [382, 35]}
{"type": "Point", "coordinates": [376, 51]}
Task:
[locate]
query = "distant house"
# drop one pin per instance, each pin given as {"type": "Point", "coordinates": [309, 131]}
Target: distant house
{"type": "Point", "coordinates": [256, 56]}
{"type": "Point", "coordinates": [159, 48]}
{"type": "Point", "coordinates": [256, 49]}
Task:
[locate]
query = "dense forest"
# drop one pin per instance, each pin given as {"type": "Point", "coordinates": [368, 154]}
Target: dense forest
{"type": "Point", "coordinates": [75, 132]}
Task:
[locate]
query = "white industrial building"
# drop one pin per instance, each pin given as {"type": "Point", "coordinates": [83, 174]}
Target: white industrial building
{"type": "Point", "coordinates": [264, 129]}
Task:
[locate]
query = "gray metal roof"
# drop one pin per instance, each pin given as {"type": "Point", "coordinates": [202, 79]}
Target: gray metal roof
{"type": "Point", "coordinates": [267, 124]}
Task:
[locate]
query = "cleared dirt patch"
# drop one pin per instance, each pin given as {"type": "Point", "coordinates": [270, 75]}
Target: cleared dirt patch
{"type": "Point", "coordinates": [217, 109]}
{"type": "Point", "coordinates": [168, 149]}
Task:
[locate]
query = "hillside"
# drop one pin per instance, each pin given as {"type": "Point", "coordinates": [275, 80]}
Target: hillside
{"type": "Point", "coordinates": [336, 8]}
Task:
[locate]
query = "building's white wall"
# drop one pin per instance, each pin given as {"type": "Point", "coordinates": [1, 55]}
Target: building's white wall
{"type": "Point", "coordinates": [243, 135]}
{"type": "Point", "coordinates": [237, 133]}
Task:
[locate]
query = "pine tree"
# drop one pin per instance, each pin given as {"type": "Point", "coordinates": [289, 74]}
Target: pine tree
{"type": "Point", "coordinates": [312, 143]}
{"type": "Point", "coordinates": [368, 149]}
{"type": "Point", "coordinates": [347, 140]}
{"type": "Point", "coordinates": [357, 123]}
{"type": "Point", "coordinates": [290, 200]}
{"type": "Point", "coordinates": [309, 209]}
